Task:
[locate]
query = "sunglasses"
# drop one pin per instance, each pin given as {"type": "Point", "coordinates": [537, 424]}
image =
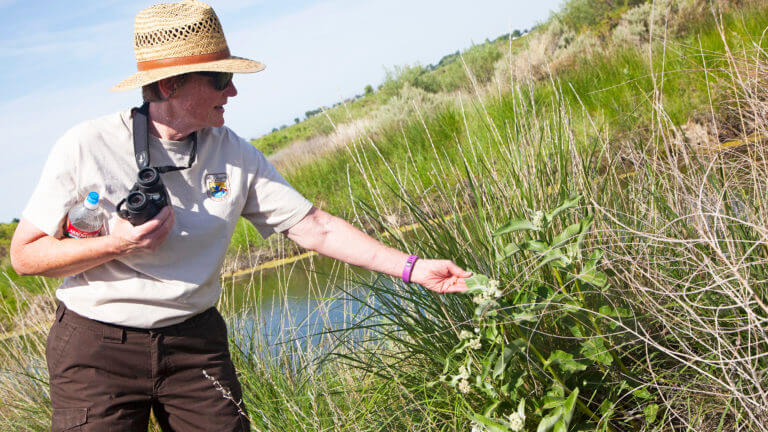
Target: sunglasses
{"type": "Point", "coordinates": [221, 80]}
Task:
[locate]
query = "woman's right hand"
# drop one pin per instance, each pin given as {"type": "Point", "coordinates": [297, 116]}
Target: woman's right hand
{"type": "Point", "coordinates": [146, 237]}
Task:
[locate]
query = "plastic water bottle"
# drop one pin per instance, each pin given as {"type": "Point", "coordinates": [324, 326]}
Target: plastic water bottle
{"type": "Point", "coordinates": [85, 219]}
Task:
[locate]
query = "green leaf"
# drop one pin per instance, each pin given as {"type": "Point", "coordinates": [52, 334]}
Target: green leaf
{"type": "Point", "coordinates": [569, 406]}
{"type": "Point", "coordinates": [650, 412]}
{"type": "Point", "coordinates": [565, 361]}
{"type": "Point", "coordinates": [548, 421]}
{"type": "Point", "coordinates": [501, 364]}
{"type": "Point", "coordinates": [596, 255]}
{"type": "Point", "coordinates": [487, 362]}
{"type": "Point", "coordinates": [567, 204]}
{"type": "Point", "coordinates": [593, 277]}
{"type": "Point", "coordinates": [521, 408]}
{"type": "Point", "coordinates": [549, 402]}
{"type": "Point", "coordinates": [524, 317]}
{"type": "Point", "coordinates": [508, 250]}
{"type": "Point", "coordinates": [488, 411]}
{"type": "Point", "coordinates": [594, 349]}
{"type": "Point", "coordinates": [534, 245]}
{"type": "Point", "coordinates": [586, 225]}
{"type": "Point", "coordinates": [554, 257]}
{"type": "Point", "coordinates": [553, 398]}
{"type": "Point", "coordinates": [514, 225]}
{"type": "Point", "coordinates": [642, 393]}
{"type": "Point", "coordinates": [614, 312]}
{"type": "Point", "coordinates": [568, 233]}
{"type": "Point", "coordinates": [489, 424]}
{"type": "Point", "coordinates": [476, 283]}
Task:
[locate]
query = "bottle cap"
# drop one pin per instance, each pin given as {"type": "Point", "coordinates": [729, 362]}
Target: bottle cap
{"type": "Point", "coordinates": [92, 200]}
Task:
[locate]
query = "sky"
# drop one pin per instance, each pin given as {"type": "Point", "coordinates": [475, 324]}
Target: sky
{"type": "Point", "coordinates": [61, 58]}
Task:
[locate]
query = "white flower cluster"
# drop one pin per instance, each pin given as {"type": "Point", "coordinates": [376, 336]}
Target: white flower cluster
{"type": "Point", "coordinates": [464, 386]}
{"type": "Point", "coordinates": [464, 372]}
{"type": "Point", "coordinates": [516, 422]}
{"type": "Point", "coordinates": [477, 427]}
{"type": "Point", "coordinates": [538, 220]}
{"type": "Point", "coordinates": [490, 293]}
{"type": "Point", "coordinates": [475, 344]}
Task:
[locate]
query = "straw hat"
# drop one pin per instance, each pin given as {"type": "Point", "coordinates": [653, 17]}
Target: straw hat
{"type": "Point", "coordinates": [176, 38]}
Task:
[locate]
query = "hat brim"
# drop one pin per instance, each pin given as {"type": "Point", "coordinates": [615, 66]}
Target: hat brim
{"type": "Point", "coordinates": [231, 64]}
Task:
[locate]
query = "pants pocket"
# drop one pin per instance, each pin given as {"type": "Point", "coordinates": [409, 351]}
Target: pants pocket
{"type": "Point", "coordinates": [58, 338]}
{"type": "Point", "coordinates": [68, 419]}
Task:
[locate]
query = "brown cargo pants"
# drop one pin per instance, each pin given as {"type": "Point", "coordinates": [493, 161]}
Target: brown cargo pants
{"type": "Point", "coordinates": [107, 378]}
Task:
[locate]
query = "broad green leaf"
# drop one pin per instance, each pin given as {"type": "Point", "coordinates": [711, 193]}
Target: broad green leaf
{"type": "Point", "coordinates": [548, 421]}
{"type": "Point", "coordinates": [501, 364]}
{"type": "Point", "coordinates": [565, 361]}
{"type": "Point", "coordinates": [524, 317]}
{"type": "Point", "coordinates": [487, 363]}
{"type": "Point", "coordinates": [586, 225]}
{"type": "Point", "coordinates": [576, 331]}
{"type": "Point", "coordinates": [568, 233]}
{"type": "Point", "coordinates": [553, 398]}
{"type": "Point", "coordinates": [521, 408]}
{"type": "Point", "coordinates": [489, 424]}
{"type": "Point", "coordinates": [614, 312]}
{"type": "Point", "coordinates": [573, 251]}
{"type": "Point", "coordinates": [508, 250]}
{"type": "Point", "coordinates": [488, 411]}
{"type": "Point", "coordinates": [593, 277]}
{"type": "Point", "coordinates": [534, 245]}
{"type": "Point", "coordinates": [555, 258]}
{"type": "Point", "coordinates": [549, 402]}
{"type": "Point", "coordinates": [594, 349]}
{"type": "Point", "coordinates": [642, 393]}
{"type": "Point", "coordinates": [569, 406]}
{"type": "Point", "coordinates": [596, 254]}
{"type": "Point", "coordinates": [491, 331]}
{"type": "Point", "coordinates": [567, 204]}
{"type": "Point", "coordinates": [650, 412]}
{"type": "Point", "coordinates": [514, 225]}
{"type": "Point", "coordinates": [556, 391]}
{"type": "Point", "coordinates": [476, 283]}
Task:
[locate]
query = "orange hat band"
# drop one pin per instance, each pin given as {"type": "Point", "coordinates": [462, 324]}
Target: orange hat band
{"type": "Point", "coordinates": [182, 61]}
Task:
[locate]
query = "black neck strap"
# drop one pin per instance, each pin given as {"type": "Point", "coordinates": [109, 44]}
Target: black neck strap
{"type": "Point", "coordinates": [141, 141]}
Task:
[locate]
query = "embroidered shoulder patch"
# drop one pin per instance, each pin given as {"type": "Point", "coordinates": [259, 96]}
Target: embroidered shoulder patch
{"type": "Point", "coordinates": [217, 186]}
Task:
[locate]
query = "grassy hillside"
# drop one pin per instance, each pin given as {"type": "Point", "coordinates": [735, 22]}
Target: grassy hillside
{"type": "Point", "coordinates": [595, 51]}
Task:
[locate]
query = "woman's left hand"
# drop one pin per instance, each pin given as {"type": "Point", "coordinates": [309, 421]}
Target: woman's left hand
{"type": "Point", "coordinates": [441, 276]}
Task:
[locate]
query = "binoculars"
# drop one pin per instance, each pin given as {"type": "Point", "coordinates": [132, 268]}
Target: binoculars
{"type": "Point", "coordinates": [145, 199]}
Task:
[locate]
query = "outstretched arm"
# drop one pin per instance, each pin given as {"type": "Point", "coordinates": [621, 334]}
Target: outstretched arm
{"type": "Point", "coordinates": [336, 238]}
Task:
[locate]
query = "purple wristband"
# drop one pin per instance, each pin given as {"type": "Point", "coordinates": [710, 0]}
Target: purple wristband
{"type": "Point", "coordinates": [409, 268]}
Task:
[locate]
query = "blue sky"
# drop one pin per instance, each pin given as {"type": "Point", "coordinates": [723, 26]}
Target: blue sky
{"type": "Point", "coordinates": [61, 58]}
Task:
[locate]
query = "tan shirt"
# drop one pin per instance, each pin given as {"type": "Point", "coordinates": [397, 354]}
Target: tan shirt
{"type": "Point", "coordinates": [230, 178]}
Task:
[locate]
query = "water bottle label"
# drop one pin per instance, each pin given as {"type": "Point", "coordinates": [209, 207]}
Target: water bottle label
{"type": "Point", "coordinates": [73, 232]}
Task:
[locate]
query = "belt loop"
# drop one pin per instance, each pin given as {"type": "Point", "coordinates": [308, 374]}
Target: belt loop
{"type": "Point", "coordinates": [114, 335]}
{"type": "Point", "coordinates": [60, 311]}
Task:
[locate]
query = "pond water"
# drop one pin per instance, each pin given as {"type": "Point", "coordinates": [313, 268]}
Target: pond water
{"type": "Point", "coordinates": [294, 306]}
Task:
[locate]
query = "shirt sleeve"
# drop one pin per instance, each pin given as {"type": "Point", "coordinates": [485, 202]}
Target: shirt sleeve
{"type": "Point", "coordinates": [56, 191]}
{"type": "Point", "coordinates": [272, 205]}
